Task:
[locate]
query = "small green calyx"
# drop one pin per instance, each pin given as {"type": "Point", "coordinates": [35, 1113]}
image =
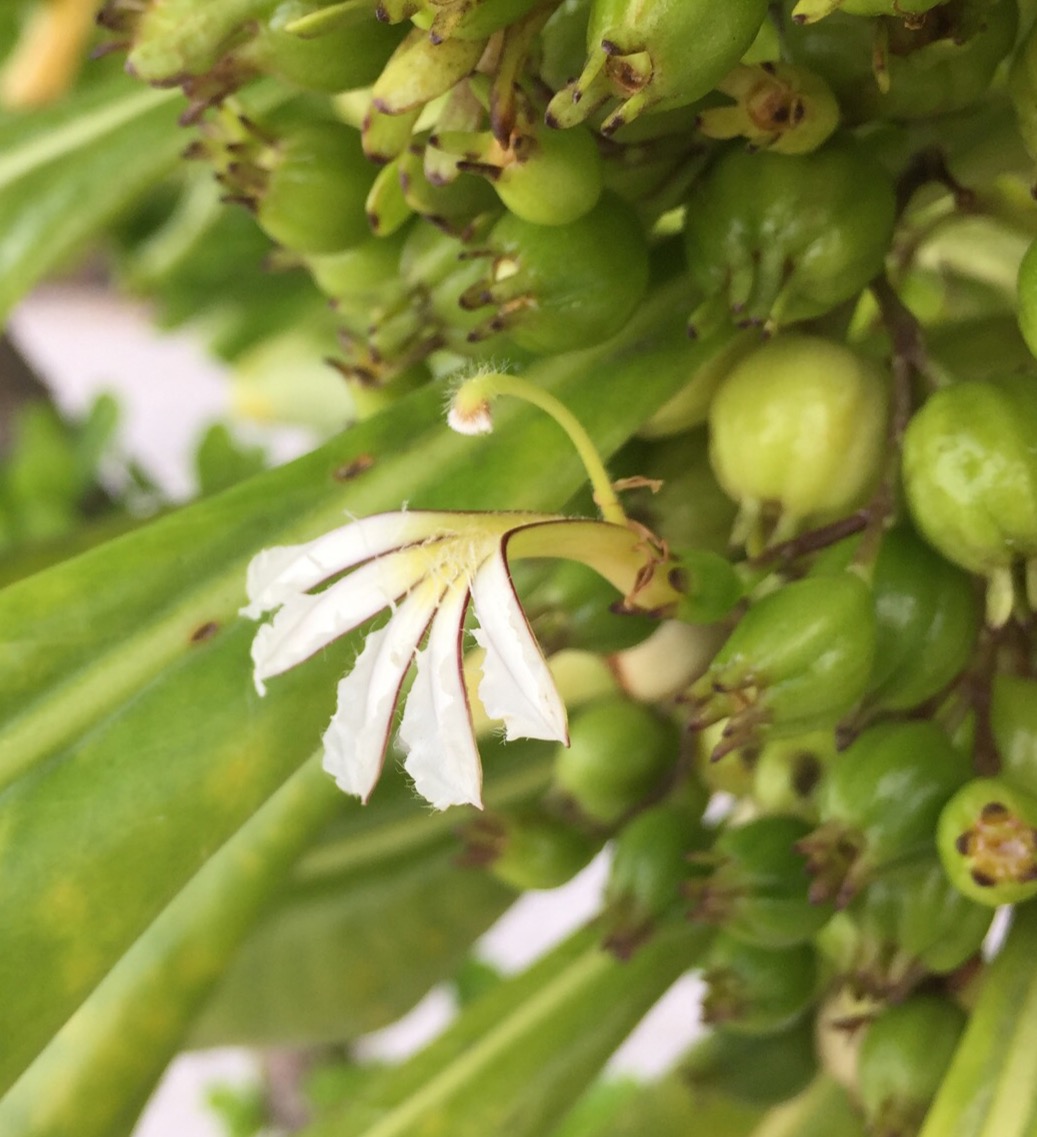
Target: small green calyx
{"type": "Point", "coordinates": [777, 106]}
{"type": "Point", "coordinates": [809, 11]}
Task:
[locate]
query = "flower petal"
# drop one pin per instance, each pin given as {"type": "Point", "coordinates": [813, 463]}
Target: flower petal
{"type": "Point", "coordinates": [358, 734]}
{"type": "Point", "coordinates": [275, 575]}
{"type": "Point", "coordinates": [307, 623]}
{"type": "Point", "coordinates": [516, 686]}
{"type": "Point", "coordinates": [436, 731]}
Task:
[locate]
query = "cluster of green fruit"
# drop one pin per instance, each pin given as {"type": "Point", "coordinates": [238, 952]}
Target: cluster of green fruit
{"type": "Point", "coordinates": [779, 202]}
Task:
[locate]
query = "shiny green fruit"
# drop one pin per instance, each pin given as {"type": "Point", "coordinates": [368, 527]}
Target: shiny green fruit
{"type": "Point", "coordinates": [970, 477]}
{"type": "Point", "coordinates": [928, 619]}
{"type": "Point", "coordinates": [556, 288]}
{"type": "Point", "coordinates": [798, 660]}
{"type": "Point", "coordinates": [776, 238]}
{"type": "Point", "coordinates": [903, 1059]}
{"type": "Point", "coordinates": [797, 435]}
{"type": "Point", "coordinates": [879, 805]}
{"type": "Point", "coordinates": [618, 753]}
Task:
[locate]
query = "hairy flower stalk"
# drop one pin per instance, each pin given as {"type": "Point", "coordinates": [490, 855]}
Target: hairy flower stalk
{"type": "Point", "coordinates": [429, 568]}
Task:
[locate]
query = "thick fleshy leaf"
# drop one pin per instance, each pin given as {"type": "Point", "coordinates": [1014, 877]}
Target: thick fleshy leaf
{"type": "Point", "coordinates": [517, 1058]}
{"type": "Point", "coordinates": [68, 170]}
{"type": "Point", "coordinates": [516, 685]}
{"type": "Point", "coordinates": [95, 1075]}
{"type": "Point", "coordinates": [990, 1089]}
{"type": "Point", "coordinates": [376, 913]}
{"type": "Point", "coordinates": [436, 731]}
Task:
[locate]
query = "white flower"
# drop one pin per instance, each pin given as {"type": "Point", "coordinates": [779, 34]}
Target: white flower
{"type": "Point", "coordinates": [427, 567]}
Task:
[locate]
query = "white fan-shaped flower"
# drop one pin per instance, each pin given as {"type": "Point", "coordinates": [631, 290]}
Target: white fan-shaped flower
{"type": "Point", "coordinates": [428, 567]}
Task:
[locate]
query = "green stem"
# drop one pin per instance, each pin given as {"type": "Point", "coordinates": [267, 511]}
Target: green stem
{"type": "Point", "coordinates": [471, 404]}
{"type": "Point", "coordinates": [991, 1087]}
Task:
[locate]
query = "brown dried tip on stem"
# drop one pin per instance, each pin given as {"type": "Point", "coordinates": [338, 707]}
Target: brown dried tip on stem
{"type": "Point", "coordinates": [470, 418]}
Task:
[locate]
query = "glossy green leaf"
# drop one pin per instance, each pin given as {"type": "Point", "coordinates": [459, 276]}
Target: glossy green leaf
{"type": "Point", "coordinates": [404, 918]}
{"type": "Point", "coordinates": [376, 915]}
{"type": "Point", "coordinates": [991, 1087]}
{"type": "Point", "coordinates": [669, 1107]}
{"type": "Point", "coordinates": [516, 1059]}
{"type": "Point", "coordinates": [67, 170]}
{"type": "Point", "coordinates": [96, 1073]}
{"type": "Point", "coordinates": [133, 745]}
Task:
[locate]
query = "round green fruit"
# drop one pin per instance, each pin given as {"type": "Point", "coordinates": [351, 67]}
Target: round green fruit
{"type": "Point", "coordinates": [797, 435]}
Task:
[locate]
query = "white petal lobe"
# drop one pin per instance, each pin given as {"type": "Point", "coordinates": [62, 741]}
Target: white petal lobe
{"type": "Point", "coordinates": [358, 734]}
{"type": "Point", "coordinates": [306, 623]}
{"type": "Point", "coordinates": [436, 732]}
{"type": "Point", "coordinates": [516, 686]}
{"type": "Point", "coordinates": [277, 574]}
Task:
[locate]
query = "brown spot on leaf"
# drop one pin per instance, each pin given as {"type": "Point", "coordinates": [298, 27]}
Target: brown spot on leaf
{"type": "Point", "coordinates": [204, 632]}
{"type": "Point", "coordinates": [350, 470]}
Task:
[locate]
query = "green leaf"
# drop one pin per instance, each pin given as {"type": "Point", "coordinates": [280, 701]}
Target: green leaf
{"type": "Point", "coordinates": [377, 915]}
{"type": "Point", "coordinates": [132, 744]}
{"type": "Point", "coordinates": [221, 461]}
{"type": "Point", "coordinates": [520, 1056]}
{"type": "Point", "coordinates": [68, 170]}
{"type": "Point", "coordinates": [402, 915]}
{"type": "Point", "coordinates": [96, 1073]}
{"type": "Point", "coordinates": [669, 1107]}
{"type": "Point", "coordinates": [821, 1110]}
{"type": "Point", "coordinates": [991, 1088]}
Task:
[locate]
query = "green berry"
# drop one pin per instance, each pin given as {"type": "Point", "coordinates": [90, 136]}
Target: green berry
{"type": "Point", "coordinates": [560, 287]}
{"type": "Point", "coordinates": [927, 619]}
{"type": "Point", "coordinates": [754, 990]}
{"type": "Point", "coordinates": [970, 477]}
{"type": "Point", "coordinates": [315, 183]}
{"type": "Point", "coordinates": [903, 1059]}
{"type": "Point", "coordinates": [797, 435]}
{"type": "Point", "coordinates": [798, 660]}
{"type": "Point", "coordinates": [618, 753]}
{"type": "Point", "coordinates": [776, 238]}
{"type": "Point", "coordinates": [527, 848]}
{"type": "Point", "coordinates": [880, 803]}
{"type": "Point", "coordinates": [649, 865]}
{"type": "Point", "coordinates": [757, 886]}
